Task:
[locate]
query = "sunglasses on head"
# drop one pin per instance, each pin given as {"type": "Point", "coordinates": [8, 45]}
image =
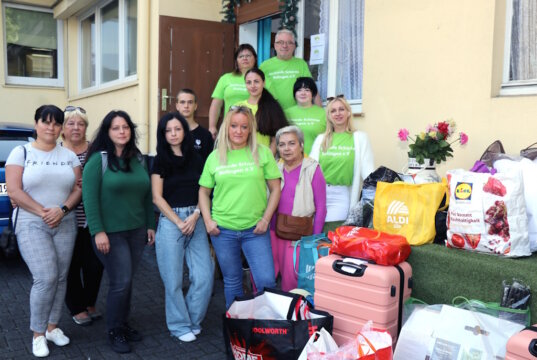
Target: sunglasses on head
{"type": "Point", "coordinates": [331, 98]}
{"type": "Point", "coordinates": [73, 108]}
{"type": "Point", "coordinates": [238, 108]}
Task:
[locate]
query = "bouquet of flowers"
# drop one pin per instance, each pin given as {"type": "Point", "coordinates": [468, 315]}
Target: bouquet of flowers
{"type": "Point", "coordinates": [433, 144]}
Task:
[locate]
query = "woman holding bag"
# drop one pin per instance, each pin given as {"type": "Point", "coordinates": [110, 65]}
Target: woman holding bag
{"type": "Point", "coordinates": [346, 158]}
{"type": "Point", "coordinates": [303, 195]}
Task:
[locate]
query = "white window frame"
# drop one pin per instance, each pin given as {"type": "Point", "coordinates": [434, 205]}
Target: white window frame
{"type": "Point", "coordinates": [513, 87]}
{"type": "Point", "coordinates": [356, 104]}
{"type": "Point", "coordinates": [96, 10]}
{"type": "Point", "coordinates": [34, 81]}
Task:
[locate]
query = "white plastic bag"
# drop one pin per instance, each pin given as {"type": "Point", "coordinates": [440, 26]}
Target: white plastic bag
{"type": "Point", "coordinates": [321, 342]}
{"type": "Point", "coordinates": [487, 213]}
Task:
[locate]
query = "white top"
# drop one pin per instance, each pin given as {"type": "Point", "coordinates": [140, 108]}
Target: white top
{"type": "Point", "coordinates": [48, 176]}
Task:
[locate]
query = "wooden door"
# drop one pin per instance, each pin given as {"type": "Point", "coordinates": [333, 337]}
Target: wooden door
{"type": "Point", "coordinates": [193, 54]}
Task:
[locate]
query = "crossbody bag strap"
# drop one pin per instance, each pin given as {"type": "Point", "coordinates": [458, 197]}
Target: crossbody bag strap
{"type": "Point", "coordinates": [17, 214]}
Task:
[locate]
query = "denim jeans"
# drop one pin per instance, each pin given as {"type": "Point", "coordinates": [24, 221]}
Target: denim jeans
{"type": "Point", "coordinates": [184, 314]}
{"type": "Point", "coordinates": [120, 263]}
{"type": "Point", "coordinates": [258, 253]}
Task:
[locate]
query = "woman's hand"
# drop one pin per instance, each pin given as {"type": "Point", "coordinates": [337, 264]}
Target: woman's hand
{"type": "Point", "coordinates": [261, 226]}
{"type": "Point", "coordinates": [189, 224]}
{"type": "Point", "coordinates": [102, 243]}
{"type": "Point", "coordinates": [150, 236]}
{"type": "Point", "coordinates": [212, 227]}
{"type": "Point", "coordinates": [52, 216]}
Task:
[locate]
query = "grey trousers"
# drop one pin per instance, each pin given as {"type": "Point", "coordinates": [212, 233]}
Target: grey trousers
{"type": "Point", "coordinates": [47, 252]}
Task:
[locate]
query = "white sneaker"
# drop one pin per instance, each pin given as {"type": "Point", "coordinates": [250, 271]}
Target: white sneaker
{"type": "Point", "coordinates": [188, 337]}
{"type": "Point", "coordinates": [57, 337]}
{"type": "Point", "coordinates": [40, 347]}
{"type": "Point", "coordinates": [196, 332]}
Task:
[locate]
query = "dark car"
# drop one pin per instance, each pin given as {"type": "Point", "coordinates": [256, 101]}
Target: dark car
{"type": "Point", "coordinates": [11, 135]}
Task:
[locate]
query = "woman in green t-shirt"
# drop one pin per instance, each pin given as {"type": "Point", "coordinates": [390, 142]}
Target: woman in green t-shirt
{"type": "Point", "coordinates": [230, 87]}
{"type": "Point", "coordinates": [268, 113]}
{"type": "Point", "coordinates": [239, 171]}
{"type": "Point", "coordinates": [346, 158]}
{"type": "Point", "coordinates": [309, 118]}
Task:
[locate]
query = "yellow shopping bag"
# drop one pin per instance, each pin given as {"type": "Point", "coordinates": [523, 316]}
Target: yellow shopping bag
{"type": "Point", "coordinates": [409, 209]}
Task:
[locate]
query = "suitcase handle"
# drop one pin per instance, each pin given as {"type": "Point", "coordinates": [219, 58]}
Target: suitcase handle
{"type": "Point", "coordinates": [337, 266]}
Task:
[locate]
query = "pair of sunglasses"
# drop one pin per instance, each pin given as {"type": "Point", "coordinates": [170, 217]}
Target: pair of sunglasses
{"type": "Point", "coordinates": [238, 108]}
{"type": "Point", "coordinates": [331, 98]}
{"type": "Point", "coordinates": [73, 108]}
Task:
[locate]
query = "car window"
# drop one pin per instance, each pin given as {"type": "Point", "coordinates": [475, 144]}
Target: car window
{"type": "Point", "coordinates": [7, 144]}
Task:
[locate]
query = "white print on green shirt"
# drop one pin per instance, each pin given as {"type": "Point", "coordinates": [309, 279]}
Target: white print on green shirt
{"type": "Point", "coordinates": [306, 121]}
{"type": "Point", "coordinates": [284, 74]}
{"type": "Point", "coordinates": [237, 168]}
{"type": "Point", "coordinates": [339, 150]}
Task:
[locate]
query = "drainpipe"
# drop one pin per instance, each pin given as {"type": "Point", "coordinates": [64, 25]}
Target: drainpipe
{"type": "Point", "coordinates": [144, 22]}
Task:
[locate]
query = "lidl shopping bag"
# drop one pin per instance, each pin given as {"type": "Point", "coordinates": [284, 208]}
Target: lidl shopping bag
{"type": "Point", "coordinates": [272, 325]}
{"type": "Point", "coordinates": [408, 209]}
{"type": "Point", "coordinates": [487, 213]}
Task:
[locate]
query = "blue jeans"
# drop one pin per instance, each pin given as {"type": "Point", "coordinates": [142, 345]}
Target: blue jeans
{"type": "Point", "coordinates": [258, 252]}
{"type": "Point", "coordinates": [184, 314]}
{"type": "Point", "coordinates": [126, 249]}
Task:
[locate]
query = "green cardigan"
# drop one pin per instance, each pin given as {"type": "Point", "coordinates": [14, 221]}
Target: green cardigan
{"type": "Point", "coordinates": [117, 200]}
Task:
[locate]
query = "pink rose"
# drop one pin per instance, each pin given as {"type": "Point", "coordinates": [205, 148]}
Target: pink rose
{"type": "Point", "coordinates": [403, 134]}
{"type": "Point", "coordinates": [463, 138]}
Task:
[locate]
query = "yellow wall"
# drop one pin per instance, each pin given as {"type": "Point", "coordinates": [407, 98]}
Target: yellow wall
{"type": "Point", "coordinates": [429, 60]}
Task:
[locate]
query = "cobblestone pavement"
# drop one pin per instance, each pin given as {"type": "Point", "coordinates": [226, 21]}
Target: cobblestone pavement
{"type": "Point", "coordinates": [90, 342]}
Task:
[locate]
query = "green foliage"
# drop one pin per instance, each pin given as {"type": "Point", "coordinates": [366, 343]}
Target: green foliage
{"type": "Point", "coordinates": [430, 148]}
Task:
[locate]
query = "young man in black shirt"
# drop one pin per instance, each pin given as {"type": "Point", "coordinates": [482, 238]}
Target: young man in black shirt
{"type": "Point", "coordinates": [187, 103]}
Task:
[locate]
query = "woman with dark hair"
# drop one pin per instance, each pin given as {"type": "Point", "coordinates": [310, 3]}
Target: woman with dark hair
{"type": "Point", "coordinates": [41, 179]}
{"type": "Point", "coordinates": [268, 113]}
{"type": "Point", "coordinates": [309, 118]}
{"type": "Point", "coordinates": [181, 232]}
{"type": "Point", "coordinates": [119, 210]}
{"type": "Point", "coordinates": [230, 88]}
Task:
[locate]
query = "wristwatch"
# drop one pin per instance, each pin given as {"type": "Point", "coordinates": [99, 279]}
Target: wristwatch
{"type": "Point", "coordinates": [65, 209]}
{"type": "Point", "coordinates": [197, 210]}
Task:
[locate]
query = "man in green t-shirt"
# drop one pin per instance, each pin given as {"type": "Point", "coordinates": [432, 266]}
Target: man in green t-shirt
{"type": "Point", "coordinates": [282, 70]}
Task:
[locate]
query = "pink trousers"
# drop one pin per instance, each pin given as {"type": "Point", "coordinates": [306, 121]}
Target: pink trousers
{"type": "Point", "coordinates": [282, 253]}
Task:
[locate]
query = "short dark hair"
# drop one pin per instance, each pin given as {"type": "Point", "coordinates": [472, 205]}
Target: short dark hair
{"type": "Point", "coordinates": [102, 142]}
{"type": "Point", "coordinates": [188, 91]}
{"type": "Point", "coordinates": [240, 49]}
{"type": "Point", "coordinates": [306, 83]}
{"type": "Point", "coordinates": [165, 155]}
{"type": "Point", "coordinates": [49, 112]}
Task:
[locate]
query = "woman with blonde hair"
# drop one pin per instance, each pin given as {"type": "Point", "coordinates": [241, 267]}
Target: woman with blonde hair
{"type": "Point", "coordinates": [346, 158]}
{"type": "Point", "coordinates": [86, 270]}
{"type": "Point", "coordinates": [239, 170]}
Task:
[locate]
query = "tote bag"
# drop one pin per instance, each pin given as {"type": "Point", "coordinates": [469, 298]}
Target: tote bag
{"type": "Point", "coordinates": [408, 209]}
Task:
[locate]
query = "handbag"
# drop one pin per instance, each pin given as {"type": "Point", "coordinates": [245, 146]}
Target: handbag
{"type": "Point", "coordinates": [530, 152]}
{"type": "Point", "coordinates": [8, 239]}
{"type": "Point", "coordinates": [492, 152]}
{"type": "Point", "coordinates": [291, 227]}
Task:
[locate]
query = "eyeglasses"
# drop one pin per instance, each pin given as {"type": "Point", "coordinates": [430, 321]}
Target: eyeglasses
{"type": "Point", "coordinates": [238, 108]}
{"type": "Point", "coordinates": [281, 42]}
{"type": "Point", "coordinates": [331, 98]}
{"type": "Point", "coordinates": [73, 108]}
{"type": "Point", "coordinates": [245, 56]}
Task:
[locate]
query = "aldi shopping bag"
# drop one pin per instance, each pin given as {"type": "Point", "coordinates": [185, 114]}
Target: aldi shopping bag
{"type": "Point", "coordinates": [272, 325]}
{"type": "Point", "coordinates": [408, 209]}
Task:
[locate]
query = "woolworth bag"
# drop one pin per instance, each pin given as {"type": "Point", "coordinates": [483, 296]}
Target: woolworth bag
{"type": "Point", "coordinates": [409, 209]}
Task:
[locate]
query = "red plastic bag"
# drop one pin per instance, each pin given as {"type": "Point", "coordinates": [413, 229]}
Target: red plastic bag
{"type": "Point", "coordinates": [369, 244]}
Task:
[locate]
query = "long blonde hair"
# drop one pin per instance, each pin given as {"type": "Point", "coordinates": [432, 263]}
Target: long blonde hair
{"type": "Point", "coordinates": [223, 144]}
{"type": "Point", "coordinates": [327, 140]}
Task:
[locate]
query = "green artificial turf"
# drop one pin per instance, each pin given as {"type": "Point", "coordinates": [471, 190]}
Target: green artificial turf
{"type": "Point", "coordinates": [439, 274]}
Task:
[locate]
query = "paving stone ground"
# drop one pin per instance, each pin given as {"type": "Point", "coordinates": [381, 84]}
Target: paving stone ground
{"type": "Point", "coordinates": [90, 342]}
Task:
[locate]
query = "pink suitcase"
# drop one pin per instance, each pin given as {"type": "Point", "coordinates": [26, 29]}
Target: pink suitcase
{"type": "Point", "coordinates": [356, 293]}
{"type": "Point", "coordinates": [523, 346]}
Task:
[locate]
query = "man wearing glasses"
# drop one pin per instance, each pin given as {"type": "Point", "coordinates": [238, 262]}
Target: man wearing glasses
{"type": "Point", "coordinates": [282, 70]}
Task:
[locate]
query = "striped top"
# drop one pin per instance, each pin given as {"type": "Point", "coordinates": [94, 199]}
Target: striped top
{"type": "Point", "coordinates": [79, 211]}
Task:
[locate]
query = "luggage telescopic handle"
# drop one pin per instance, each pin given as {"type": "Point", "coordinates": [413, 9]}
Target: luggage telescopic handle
{"type": "Point", "coordinates": [338, 264]}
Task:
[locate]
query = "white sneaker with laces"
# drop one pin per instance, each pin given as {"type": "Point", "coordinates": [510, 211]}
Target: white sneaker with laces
{"type": "Point", "coordinates": [57, 337]}
{"type": "Point", "coordinates": [188, 337]}
{"type": "Point", "coordinates": [40, 347]}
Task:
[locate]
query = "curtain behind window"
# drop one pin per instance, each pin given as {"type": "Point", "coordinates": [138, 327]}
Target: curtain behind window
{"type": "Point", "coordinates": [523, 63]}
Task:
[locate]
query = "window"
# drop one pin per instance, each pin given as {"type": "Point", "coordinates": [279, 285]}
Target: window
{"type": "Point", "coordinates": [520, 59]}
{"type": "Point", "coordinates": [342, 23]}
{"type": "Point", "coordinates": [108, 36]}
{"type": "Point", "coordinates": [33, 46]}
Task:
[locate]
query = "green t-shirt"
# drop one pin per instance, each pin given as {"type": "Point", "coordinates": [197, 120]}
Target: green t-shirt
{"type": "Point", "coordinates": [240, 191]}
{"type": "Point", "coordinates": [311, 120]}
{"type": "Point", "coordinates": [117, 200]}
{"type": "Point", "coordinates": [261, 139]}
{"type": "Point", "coordinates": [230, 88]}
{"type": "Point", "coordinates": [337, 163]}
{"type": "Point", "coordinates": [280, 78]}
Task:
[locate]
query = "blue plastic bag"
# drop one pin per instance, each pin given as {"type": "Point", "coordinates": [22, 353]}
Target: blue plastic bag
{"type": "Point", "coordinates": [311, 248]}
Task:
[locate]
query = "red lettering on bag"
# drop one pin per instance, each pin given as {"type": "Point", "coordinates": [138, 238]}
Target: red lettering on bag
{"type": "Point", "coordinates": [269, 331]}
{"type": "Point", "coordinates": [312, 328]}
{"type": "Point", "coordinates": [239, 353]}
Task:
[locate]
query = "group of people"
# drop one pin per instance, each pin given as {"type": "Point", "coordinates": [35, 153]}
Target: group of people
{"type": "Point", "coordinates": [277, 152]}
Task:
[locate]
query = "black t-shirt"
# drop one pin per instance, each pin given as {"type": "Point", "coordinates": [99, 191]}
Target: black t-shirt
{"type": "Point", "coordinates": [203, 141]}
{"type": "Point", "coordinates": [180, 188]}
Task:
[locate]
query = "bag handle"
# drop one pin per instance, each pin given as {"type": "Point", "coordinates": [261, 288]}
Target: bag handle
{"type": "Point", "coordinates": [359, 345]}
{"type": "Point", "coordinates": [530, 146]}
